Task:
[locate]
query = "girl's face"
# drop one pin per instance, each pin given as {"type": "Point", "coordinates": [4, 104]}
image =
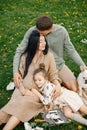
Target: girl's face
{"type": "Point", "coordinates": [42, 43]}
{"type": "Point", "coordinates": [39, 79]}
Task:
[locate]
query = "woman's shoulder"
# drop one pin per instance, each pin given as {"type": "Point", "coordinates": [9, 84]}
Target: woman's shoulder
{"type": "Point", "coordinates": [50, 53]}
{"type": "Point", "coordinates": [48, 57]}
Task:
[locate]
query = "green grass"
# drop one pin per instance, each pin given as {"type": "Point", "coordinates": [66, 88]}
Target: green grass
{"type": "Point", "coordinates": [16, 16]}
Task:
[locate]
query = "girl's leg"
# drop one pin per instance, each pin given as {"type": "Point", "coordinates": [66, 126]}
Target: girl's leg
{"type": "Point", "coordinates": [74, 116]}
{"type": "Point", "coordinates": [68, 78]}
{"type": "Point", "coordinates": [78, 117]}
{"type": "Point", "coordinates": [68, 112]}
{"type": "Point", "coordinates": [12, 123]}
{"type": "Point", "coordinates": [83, 109]}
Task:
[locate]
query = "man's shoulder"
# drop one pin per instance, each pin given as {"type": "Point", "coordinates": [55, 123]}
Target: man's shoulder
{"type": "Point", "coordinates": [31, 29]}
{"type": "Point", "coordinates": [28, 32]}
{"type": "Point", "coordinates": [57, 27]}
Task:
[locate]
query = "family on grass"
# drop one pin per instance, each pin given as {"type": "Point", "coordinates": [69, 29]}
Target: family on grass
{"type": "Point", "coordinates": [41, 76]}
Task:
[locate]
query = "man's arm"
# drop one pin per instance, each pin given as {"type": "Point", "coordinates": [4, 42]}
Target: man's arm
{"type": "Point", "coordinates": [19, 51]}
{"type": "Point", "coordinates": [71, 51]}
{"type": "Point", "coordinates": [16, 61]}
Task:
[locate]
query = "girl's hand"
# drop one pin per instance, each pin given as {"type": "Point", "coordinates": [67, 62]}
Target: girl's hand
{"type": "Point", "coordinates": [57, 91]}
{"type": "Point", "coordinates": [36, 92]}
{"type": "Point", "coordinates": [28, 92]}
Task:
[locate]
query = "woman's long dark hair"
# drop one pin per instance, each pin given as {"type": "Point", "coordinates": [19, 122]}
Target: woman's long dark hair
{"type": "Point", "coordinates": [33, 43]}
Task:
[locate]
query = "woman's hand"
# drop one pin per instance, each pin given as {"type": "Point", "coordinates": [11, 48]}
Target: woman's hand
{"type": "Point", "coordinates": [17, 78]}
{"type": "Point", "coordinates": [57, 91]}
{"type": "Point", "coordinates": [82, 68]}
{"type": "Point", "coordinates": [28, 92]}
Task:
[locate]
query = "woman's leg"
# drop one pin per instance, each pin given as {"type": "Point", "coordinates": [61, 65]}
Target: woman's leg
{"type": "Point", "coordinates": [68, 78]}
{"type": "Point", "coordinates": [4, 117]}
{"type": "Point", "coordinates": [12, 123]}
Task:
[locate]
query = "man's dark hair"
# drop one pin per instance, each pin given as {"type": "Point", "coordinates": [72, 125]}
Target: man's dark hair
{"type": "Point", "coordinates": [44, 23]}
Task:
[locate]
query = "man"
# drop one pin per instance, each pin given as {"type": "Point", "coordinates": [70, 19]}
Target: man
{"type": "Point", "coordinates": [58, 40]}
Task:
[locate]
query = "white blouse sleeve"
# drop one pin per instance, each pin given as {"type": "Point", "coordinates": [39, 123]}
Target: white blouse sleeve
{"type": "Point", "coordinates": [47, 94]}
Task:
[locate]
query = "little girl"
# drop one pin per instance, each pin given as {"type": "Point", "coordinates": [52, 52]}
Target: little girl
{"type": "Point", "coordinates": [69, 100]}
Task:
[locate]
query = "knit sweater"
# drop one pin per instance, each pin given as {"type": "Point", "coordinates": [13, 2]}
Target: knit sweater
{"type": "Point", "coordinates": [58, 41]}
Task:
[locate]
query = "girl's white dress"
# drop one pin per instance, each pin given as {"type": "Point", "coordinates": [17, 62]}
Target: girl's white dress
{"type": "Point", "coordinates": [67, 97]}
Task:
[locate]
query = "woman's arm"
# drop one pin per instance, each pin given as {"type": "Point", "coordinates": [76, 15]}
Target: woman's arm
{"type": "Point", "coordinates": [52, 70]}
{"type": "Point", "coordinates": [53, 76]}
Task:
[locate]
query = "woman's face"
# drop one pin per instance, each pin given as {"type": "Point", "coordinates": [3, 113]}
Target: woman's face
{"type": "Point", "coordinates": [42, 43]}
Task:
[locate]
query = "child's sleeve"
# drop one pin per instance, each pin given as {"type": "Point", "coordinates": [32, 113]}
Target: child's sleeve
{"type": "Point", "coordinates": [46, 99]}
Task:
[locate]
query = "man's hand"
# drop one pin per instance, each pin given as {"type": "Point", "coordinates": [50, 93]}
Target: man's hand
{"type": "Point", "coordinates": [17, 78]}
{"type": "Point", "coordinates": [82, 68]}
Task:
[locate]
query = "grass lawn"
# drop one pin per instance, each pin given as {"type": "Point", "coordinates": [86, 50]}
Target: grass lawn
{"type": "Point", "coordinates": [16, 16]}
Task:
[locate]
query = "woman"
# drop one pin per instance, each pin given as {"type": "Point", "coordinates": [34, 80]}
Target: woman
{"type": "Point", "coordinates": [24, 105]}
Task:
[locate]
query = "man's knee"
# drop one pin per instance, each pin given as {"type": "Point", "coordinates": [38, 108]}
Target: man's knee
{"type": "Point", "coordinates": [72, 85]}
